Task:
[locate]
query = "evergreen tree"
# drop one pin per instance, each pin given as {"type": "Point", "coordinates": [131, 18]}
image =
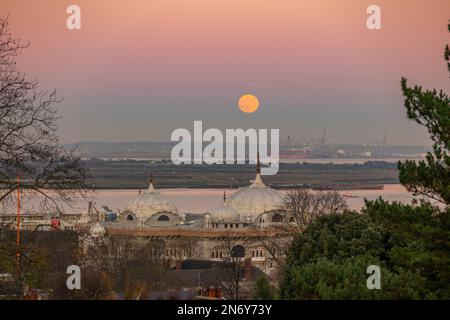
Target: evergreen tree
{"type": "Point", "coordinates": [263, 290]}
{"type": "Point", "coordinates": [410, 244]}
{"type": "Point", "coordinates": [430, 108]}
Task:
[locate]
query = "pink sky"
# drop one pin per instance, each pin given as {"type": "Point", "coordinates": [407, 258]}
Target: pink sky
{"type": "Point", "coordinates": [139, 69]}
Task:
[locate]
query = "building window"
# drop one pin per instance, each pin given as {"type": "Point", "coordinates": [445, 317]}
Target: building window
{"type": "Point", "coordinates": [163, 218]}
{"type": "Point", "coordinates": [238, 252]}
{"type": "Point", "coordinates": [277, 218]}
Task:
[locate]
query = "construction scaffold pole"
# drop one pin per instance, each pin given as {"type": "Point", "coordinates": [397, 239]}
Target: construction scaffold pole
{"type": "Point", "coordinates": [18, 225]}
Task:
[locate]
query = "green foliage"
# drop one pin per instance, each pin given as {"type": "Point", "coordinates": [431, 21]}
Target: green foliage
{"type": "Point", "coordinates": [430, 108]}
{"type": "Point", "coordinates": [264, 290]}
{"type": "Point", "coordinates": [43, 257]}
{"type": "Point", "coordinates": [411, 245]}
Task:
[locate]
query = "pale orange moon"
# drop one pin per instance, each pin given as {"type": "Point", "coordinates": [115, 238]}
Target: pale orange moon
{"type": "Point", "coordinates": [248, 103]}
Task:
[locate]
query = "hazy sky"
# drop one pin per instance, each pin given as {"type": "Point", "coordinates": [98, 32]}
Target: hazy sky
{"type": "Point", "coordinates": [139, 69]}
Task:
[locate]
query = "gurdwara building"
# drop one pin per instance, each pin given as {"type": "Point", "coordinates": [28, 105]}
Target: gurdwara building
{"type": "Point", "coordinates": [248, 224]}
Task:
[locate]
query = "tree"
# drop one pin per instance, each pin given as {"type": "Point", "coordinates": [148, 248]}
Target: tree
{"type": "Point", "coordinates": [43, 260]}
{"type": "Point", "coordinates": [133, 266]}
{"type": "Point", "coordinates": [188, 248]}
{"type": "Point", "coordinates": [231, 269]}
{"type": "Point", "coordinates": [411, 245]}
{"type": "Point", "coordinates": [302, 207]}
{"type": "Point", "coordinates": [29, 146]}
{"type": "Point", "coordinates": [430, 108]}
{"type": "Point", "coordinates": [136, 291]}
{"type": "Point", "coordinates": [276, 247]}
{"type": "Point", "coordinates": [263, 290]}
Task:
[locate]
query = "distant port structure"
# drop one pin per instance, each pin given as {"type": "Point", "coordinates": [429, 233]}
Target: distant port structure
{"type": "Point", "coordinates": [291, 148]}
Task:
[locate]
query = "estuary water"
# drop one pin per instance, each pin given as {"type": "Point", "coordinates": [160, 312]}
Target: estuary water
{"type": "Point", "coordinates": [201, 200]}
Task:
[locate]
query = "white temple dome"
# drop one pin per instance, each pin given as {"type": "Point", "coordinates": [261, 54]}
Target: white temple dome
{"type": "Point", "coordinates": [97, 230]}
{"type": "Point", "coordinates": [225, 213]}
{"type": "Point", "coordinates": [255, 199]}
{"type": "Point", "coordinates": [150, 202]}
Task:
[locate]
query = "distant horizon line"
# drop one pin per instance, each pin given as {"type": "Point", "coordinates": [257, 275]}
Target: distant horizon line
{"type": "Point", "coordinates": [172, 142]}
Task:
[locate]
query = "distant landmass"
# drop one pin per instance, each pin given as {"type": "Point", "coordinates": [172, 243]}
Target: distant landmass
{"type": "Point", "coordinates": [162, 150]}
{"type": "Point", "coordinates": [135, 174]}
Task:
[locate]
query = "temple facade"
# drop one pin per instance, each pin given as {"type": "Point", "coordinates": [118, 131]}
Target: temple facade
{"type": "Point", "coordinates": [248, 224]}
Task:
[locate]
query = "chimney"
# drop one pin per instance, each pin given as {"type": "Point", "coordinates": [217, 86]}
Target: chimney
{"type": "Point", "coordinates": [248, 269]}
{"type": "Point", "coordinates": [178, 265]}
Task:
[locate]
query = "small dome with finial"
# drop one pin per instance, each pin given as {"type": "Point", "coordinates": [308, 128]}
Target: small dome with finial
{"type": "Point", "coordinates": [97, 230]}
{"type": "Point", "coordinates": [225, 213]}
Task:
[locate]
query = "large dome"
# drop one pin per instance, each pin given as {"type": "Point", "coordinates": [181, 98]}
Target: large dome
{"type": "Point", "coordinates": [149, 203]}
{"type": "Point", "coordinates": [255, 199]}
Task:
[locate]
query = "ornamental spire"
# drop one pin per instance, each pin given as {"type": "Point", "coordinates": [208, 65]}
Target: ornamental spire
{"type": "Point", "coordinates": [258, 164]}
{"type": "Point", "coordinates": [151, 187]}
{"type": "Point", "coordinates": [258, 183]}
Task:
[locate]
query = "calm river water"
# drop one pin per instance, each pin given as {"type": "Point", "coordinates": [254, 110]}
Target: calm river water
{"type": "Point", "coordinates": [201, 200]}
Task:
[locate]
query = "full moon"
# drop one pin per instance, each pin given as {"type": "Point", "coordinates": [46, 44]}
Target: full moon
{"type": "Point", "coordinates": [248, 103]}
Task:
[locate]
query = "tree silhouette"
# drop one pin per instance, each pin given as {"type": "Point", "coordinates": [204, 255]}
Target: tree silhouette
{"type": "Point", "coordinates": [430, 108]}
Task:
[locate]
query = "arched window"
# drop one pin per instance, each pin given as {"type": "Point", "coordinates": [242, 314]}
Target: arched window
{"type": "Point", "coordinates": [277, 218]}
{"type": "Point", "coordinates": [130, 217]}
{"type": "Point", "coordinates": [238, 252]}
{"type": "Point", "coordinates": [163, 218]}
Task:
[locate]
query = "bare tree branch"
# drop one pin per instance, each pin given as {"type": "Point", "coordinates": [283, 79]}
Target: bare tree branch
{"type": "Point", "coordinates": [29, 145]}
